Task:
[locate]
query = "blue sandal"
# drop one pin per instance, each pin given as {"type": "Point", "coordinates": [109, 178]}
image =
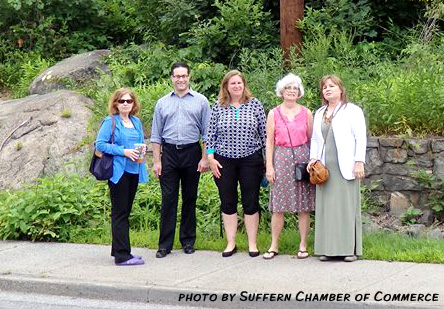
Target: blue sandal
{"type": "Point", "coordinates": [131, 262]}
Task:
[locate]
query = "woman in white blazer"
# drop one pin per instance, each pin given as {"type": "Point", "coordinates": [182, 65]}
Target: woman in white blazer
{"type": "Point", "coordinates": [341, 126]}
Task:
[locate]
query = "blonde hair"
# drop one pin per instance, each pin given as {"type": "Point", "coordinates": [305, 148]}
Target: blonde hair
{"type": "Point", "coordinates": [117, 95]}
{"type": "Point", "coordinates": [337, 81]}
{"type": "Point", "coordinates": [224, 96]}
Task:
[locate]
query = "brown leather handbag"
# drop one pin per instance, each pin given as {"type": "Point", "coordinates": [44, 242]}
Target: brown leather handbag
{"type": "Point", "coordinates": [318, 173]}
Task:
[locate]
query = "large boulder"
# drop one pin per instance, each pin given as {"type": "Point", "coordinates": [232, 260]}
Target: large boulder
{"type": "Point", "coordinates": [78, 68]}
{"type": "Point", "coordinates": [41, 135]}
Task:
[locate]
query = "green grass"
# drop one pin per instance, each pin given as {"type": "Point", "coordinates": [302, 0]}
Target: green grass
{"type": "Point", "coordinates": [396, 247]}
{"type": "Point", "coordinates": [377, 246]}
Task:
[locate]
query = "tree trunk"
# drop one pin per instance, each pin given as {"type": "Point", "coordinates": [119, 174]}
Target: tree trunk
{"type": "Point", "coordinates": [291, 11]}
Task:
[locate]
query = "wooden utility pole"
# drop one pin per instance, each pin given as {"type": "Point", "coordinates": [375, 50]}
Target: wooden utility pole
{"type": "Point", "coordinates": [290, 12]}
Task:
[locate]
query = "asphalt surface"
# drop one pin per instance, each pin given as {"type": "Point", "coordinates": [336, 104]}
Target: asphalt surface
{"type": "Point", "coordinates": [16, 300]}
{"type": "Point", "coordinates": [205, 279]}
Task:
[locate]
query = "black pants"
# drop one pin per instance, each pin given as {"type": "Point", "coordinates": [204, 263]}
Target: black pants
{"type": "Point", "coordinates": [179, 166]}
{"type": "Point", "coordinates": [122, 196]}
{"type": "Point", "coordinates": [248, 172]}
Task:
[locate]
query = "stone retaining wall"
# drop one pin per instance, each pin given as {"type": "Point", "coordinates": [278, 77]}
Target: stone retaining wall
{"type": "Point", "coordinates": [390, 162]}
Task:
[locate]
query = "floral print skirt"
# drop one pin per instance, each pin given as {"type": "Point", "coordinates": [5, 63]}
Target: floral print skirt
{"type": "Point", "coordinates": [287, 194]}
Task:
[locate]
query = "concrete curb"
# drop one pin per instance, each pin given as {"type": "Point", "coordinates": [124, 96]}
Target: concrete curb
{"type": "Point", "coordinates": [87, 271]}
{"type": "Point", "coordinates": [163, 295]}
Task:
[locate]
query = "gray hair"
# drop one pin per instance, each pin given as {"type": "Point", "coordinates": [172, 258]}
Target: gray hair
{"type": "Point", "coordinates": [287, 80]}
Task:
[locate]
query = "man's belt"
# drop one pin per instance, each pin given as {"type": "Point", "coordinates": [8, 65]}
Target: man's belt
{"type": "Point", "coordinates": [181, 146]}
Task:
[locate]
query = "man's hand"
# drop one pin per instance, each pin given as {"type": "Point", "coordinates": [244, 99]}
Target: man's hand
{"type": "Point", "coordinates": [157, 168]}
{"type": "Point", "coordinates": [157, 163]}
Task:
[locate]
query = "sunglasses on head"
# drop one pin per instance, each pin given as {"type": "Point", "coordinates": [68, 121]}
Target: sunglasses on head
{"type": "Point", "coordinates": [121, 101]}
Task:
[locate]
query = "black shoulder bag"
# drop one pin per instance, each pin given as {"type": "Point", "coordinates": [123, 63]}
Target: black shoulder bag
{"type": "Point", "coordinates": [101, 165]}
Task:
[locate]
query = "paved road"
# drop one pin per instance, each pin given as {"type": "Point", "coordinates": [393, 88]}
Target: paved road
{"type": "Point", "coordinates": [207, 279]}
{"type": "Point", "coordinates": [14, 300]}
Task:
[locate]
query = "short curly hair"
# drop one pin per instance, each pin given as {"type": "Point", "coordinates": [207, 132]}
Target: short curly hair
{"type": "Point", "coordinates": [287, 80]}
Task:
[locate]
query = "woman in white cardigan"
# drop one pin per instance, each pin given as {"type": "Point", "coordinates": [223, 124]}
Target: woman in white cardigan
{"type": "Point", "coordinates": [341, 126]}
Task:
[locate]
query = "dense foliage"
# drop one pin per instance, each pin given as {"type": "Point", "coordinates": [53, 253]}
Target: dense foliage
{"type": "Point", "coordinates": [64, 207]}
{"type": "Point", "coordinates": [389, 54]}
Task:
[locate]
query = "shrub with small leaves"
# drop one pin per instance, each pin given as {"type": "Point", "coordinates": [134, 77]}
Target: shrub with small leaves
{"type": "Point", "coordinates": [411, 215]}
{"type": "Point", "coordinates": [434, 186]}
{"type": "Point", "coordinates": [51, 207]}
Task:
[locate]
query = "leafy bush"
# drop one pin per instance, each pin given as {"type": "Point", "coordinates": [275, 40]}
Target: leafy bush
{"type": "Point", "coordinates": [340, 15]}
{"type": "Point", "coordinates": [239, 24]}
{"type": "Point", "coordinates": [61, 207]}
{"type": "Point", "coordinates": [404, 97]}
{"type": "Point", "coordinates": [368, 203]}
{"type": "Point", "coordinates": [398, 97]}
{"type": "Point", "coordinates": [263, 68]}
{"type": "Point", "coordinates": [146, 71]}
{"type": "Point", "coordinates": [53, 27]}
{"type": "Point", "coordinates": [27, 72]}
{"type": "Point", "coordinates": [51, 207]}
{"type": "Point", "coordinates": [17, 73]}
{"type": "Point", "coordinates": [434, 187]}
{"type": "Point", "coordinates": [165, 20]}
{"type": "Point", "coordinates": [411, 215]}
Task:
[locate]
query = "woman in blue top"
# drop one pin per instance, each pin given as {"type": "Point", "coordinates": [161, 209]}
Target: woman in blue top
{"type": "Point", "coordinates": [127, 172]}
{"type": "Point", "coordinates": [235, 140]}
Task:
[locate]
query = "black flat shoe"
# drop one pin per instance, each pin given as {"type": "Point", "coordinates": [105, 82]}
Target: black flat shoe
{"type": "Point", "coordinates": [189, 249]}
{"type": "Point", "coordinates": [229, 253]}
{"type": "Point", "coordinates": [161, 253]}
{"type": "Point", "coordinates": [254, 253]}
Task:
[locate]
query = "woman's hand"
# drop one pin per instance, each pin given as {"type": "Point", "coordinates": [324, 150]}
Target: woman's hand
{"type": "Point", "coordinates": [358, 171]}
{"type": "Point", "coordinates": [203, 165]}
{"type": "Point", "coordinates": [310, 163]}
{"type": "Point", "coordinates": [270, 174]}
{"type": "Point", "coordinates": [133, 154]}
{"type": "Point", "coordinates": [214, 166]}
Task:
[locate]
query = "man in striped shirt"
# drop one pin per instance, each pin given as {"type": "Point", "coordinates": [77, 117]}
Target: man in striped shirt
{"type": "Point", "coordinates": [180, 121]}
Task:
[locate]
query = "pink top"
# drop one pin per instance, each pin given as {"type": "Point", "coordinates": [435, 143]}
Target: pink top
{"type": "Point", "coordinates": [298, 128]}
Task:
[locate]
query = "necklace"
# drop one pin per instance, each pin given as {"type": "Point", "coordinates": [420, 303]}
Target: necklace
{"type": "Point", "coordinates": [329, 119]}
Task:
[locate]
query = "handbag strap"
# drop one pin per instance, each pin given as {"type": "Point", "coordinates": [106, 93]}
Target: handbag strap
{"type": "Point", "coordinates": [288, 131]}
{"type": "Point", "coordinates": [328, 130]}
{"type": "Point", "coordinates": [325, 139]}
{"type": "Point", "coordinates": [114, 128]}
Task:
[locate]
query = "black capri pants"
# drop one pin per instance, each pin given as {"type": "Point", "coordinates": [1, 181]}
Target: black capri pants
{"type": "Point", "coordinates": [248, 172]}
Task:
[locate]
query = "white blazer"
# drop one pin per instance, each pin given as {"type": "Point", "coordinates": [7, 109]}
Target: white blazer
{"type": "Point", "coordinates": [348, 127]}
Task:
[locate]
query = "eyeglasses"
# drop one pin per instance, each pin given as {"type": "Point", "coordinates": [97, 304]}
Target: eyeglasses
{"type": "Point", "coordinates": [291, 88]}
{"type": "Point", "coordinates": [180, 76]}
{"type": "Point", "coordinates": [121, 101]}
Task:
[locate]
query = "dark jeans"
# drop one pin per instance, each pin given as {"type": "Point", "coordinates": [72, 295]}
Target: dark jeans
{"type": "Point", "coordinates": [122, 196]}
{"type": "Point", "coordinates": [249, 172]}
{"type": "Point", "coordinates": [179, 166]}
